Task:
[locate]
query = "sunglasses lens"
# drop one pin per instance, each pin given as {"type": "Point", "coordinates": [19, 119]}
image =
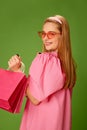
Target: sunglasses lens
{"type": "Point", "coordinates": [42, 34]}
{"type": "Point", "coordinates": [51, 35]}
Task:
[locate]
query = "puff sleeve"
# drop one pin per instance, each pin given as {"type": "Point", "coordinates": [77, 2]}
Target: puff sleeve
{"type": "Point", "coordinates": [45, 76]}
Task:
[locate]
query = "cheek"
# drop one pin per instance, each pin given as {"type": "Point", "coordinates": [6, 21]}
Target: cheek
{"type": "Point", "coordinates": [56, 42]}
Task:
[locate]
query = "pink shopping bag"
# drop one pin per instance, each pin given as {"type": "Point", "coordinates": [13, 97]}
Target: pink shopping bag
{"type": "Point", "coordinates": [12, 90]}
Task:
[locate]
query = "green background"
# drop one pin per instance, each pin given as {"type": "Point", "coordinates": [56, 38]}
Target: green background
{"type": "Point", "coordinates": [19, 23]}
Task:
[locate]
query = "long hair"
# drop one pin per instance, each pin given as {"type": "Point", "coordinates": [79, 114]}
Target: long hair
{"type": "Point", "coordinates": [64, 51]}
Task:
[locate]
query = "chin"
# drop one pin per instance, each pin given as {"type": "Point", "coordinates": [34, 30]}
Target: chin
{"type": "Point", "coordinates": [48, 48]}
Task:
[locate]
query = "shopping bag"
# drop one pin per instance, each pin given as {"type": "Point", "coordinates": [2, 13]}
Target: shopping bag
{"type": "Point", "coordinates": [12, 90]}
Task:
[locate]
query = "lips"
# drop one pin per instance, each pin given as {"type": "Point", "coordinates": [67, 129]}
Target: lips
{"type": "Point", "coordinates": [47, 43]}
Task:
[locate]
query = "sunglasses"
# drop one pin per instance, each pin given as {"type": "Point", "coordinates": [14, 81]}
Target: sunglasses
{"type": "Point", "coordinates": [49, 34]}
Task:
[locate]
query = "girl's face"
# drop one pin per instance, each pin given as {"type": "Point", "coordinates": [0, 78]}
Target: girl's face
{"type": "Point", "coordinates": [50, 36]}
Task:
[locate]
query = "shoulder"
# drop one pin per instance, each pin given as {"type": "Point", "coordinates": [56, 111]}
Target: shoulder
{"type": "Point", "coordinates": [46, 63]}
{"type": "Point", "coordinates": [46, 55]}
{"type": "Point", "coordinates": [41, 57]}
{"type": "Point", "coordinates": [46, 58]}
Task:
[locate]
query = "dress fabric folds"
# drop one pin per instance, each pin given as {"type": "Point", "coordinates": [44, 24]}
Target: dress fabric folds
{"type": "Point", "coordinates": [45, 82]}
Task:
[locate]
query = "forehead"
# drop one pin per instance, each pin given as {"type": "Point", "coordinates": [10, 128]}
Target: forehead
{"type": "Point", "coordinates": [50, 26]}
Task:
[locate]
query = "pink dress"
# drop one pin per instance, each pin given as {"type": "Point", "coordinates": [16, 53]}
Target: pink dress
{"type": "Point", "coordinates": [46, 83]}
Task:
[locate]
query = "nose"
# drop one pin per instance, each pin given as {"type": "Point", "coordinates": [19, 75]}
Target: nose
{"type": "Point", "coordinates": [45, 37]}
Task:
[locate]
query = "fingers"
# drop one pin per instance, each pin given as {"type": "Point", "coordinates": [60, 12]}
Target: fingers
{"type": "Point", "coordinates": [14, 62]}
{"type": "Point", "coordinates": [14, 59]}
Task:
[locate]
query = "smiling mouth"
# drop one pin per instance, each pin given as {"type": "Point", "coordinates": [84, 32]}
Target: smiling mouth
{"type": "Point", "coordinates": [47, 43]}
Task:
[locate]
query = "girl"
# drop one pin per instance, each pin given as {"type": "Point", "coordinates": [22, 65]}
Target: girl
{"type": "Point", "coordinates": [52, 76]}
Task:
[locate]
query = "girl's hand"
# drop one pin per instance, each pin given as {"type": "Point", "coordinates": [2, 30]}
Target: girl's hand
{"type": "Point", "coordinates": [14, 63]}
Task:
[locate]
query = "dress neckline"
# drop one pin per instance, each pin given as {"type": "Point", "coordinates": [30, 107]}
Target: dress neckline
{"type": "Point", "coordinates": [54, 53]}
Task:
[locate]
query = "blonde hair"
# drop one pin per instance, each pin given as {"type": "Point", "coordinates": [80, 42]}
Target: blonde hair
{"type": "Point", "coordinates": [64, 50]}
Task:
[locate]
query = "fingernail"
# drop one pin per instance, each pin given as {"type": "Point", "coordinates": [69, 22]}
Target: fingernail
{"type": "Point", "coordinates": [18, 55]}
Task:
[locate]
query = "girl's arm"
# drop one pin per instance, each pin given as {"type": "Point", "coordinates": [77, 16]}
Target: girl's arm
{"type": "Point", "coordinates": [14, 64]}
{"type": "Point", "coordinates": [32, 99]}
